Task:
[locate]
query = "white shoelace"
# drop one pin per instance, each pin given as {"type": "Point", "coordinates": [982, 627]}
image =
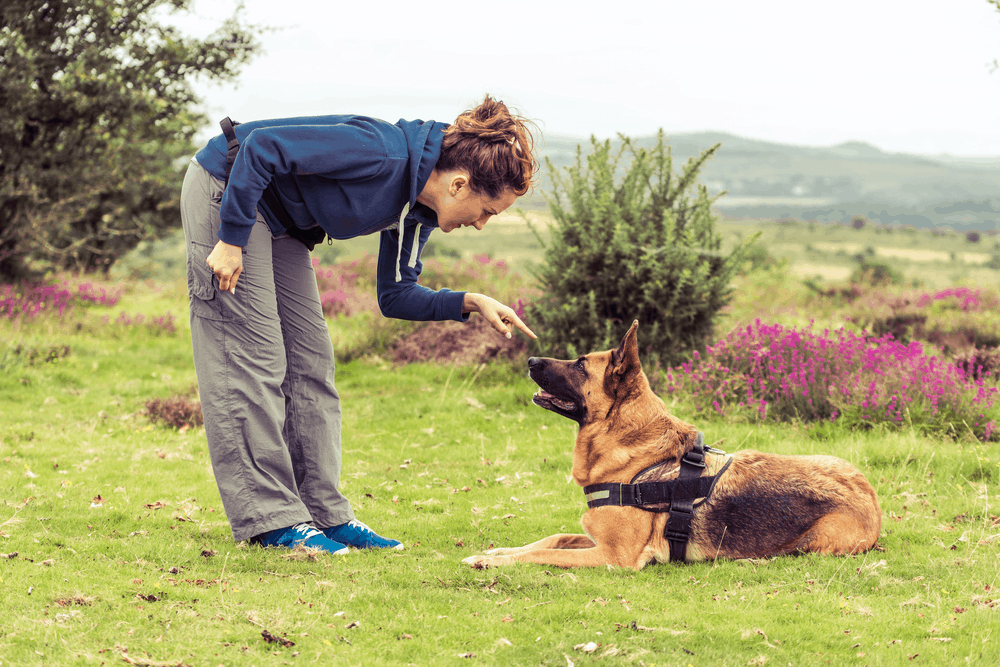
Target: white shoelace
{"type": "Point", "coordinates": [305, 530]}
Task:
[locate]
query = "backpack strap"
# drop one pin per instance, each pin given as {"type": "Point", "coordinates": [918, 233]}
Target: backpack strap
{"type": "Point", "coordinates": [232, 144]}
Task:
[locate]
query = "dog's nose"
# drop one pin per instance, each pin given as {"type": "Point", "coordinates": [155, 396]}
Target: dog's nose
{"type": "Point", "coordinates": [533, 361]}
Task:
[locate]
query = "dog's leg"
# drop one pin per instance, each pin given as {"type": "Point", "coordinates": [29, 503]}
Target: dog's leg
{"type": "Point", "coordinates": [595, 556]}
{"type": "Point", "coordinates": [838, 534]}
{"type": "Point", "coordinates": [621, 543]}
{"type": "Point", "coordinates": [562, 541]}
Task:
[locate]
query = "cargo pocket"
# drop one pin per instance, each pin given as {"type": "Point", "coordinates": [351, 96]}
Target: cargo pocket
{"type": "Point", "coordinates": [205, 298]}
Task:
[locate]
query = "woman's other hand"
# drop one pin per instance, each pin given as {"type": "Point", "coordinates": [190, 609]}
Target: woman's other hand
{"type": "Point", "coordinates": [226, 262]}
{"type": "Point", "coordinates": [501, 317]}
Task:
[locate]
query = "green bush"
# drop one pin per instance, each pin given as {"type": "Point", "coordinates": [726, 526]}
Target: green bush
{"type": "Point", "coordinates": [757, 257]}
{"type": "Point", "coordinates": [875, 272]}
{"type": "Point", "coordinates": [631, 239]}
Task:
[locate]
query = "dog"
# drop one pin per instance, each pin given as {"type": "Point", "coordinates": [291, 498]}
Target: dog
{"type": "Point", "coordinates": [758, 505]}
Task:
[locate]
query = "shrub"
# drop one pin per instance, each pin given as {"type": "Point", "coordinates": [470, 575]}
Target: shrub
{"type": "Point", "coordinates": [979, 363]}
{"type": "Point", "coordinates": [31, 355]}
{"type": "Point", "coordinates": [177, 412]}
{"type": "Point", "coordinates": [756, 257]}
{"type": "Point", "coordinates": [875, 272]}
{"type": "Point", "coordinates": [767, 372]}
{"type": "Point", "coordinates": [859, 222]}
{"type": "Point", "coordinates": [633, 241]}
{"type": "Point", "coordinates": [954, 319]}
{"type": "Point", "coordinates": [972, 236]}
{"type": "Point", "coordinates": [157, 326]}
{"type": "Point", "coordinates": [27, 299]}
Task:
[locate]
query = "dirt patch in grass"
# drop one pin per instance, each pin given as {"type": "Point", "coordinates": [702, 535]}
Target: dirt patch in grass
{"type": "Point", "coordinates": [472, 342]}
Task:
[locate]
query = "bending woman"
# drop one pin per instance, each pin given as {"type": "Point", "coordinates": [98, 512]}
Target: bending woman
{"type": "Point", "coordinates": [262, 348]}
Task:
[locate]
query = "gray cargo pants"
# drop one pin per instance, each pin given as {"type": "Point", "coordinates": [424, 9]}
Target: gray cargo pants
{"type": "Point", "coordinates": [265, 375]}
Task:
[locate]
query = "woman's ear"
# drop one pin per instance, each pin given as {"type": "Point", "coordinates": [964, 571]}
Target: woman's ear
{"type": "Point", "coordinates": [459, 184]}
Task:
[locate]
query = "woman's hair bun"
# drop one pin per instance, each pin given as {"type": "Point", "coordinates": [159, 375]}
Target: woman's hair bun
{"type": "Point", "coordinates": [494, 146]}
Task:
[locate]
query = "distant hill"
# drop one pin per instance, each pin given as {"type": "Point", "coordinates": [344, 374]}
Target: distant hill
{"type": "Point", "coordinates": [833, 183]}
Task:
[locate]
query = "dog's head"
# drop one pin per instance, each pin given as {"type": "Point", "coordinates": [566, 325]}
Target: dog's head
{"type": "Point", "coordinates": [588, 388]}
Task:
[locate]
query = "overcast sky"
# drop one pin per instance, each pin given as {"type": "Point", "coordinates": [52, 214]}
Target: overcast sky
{"type": "Point", "coordinates": [905, 75]}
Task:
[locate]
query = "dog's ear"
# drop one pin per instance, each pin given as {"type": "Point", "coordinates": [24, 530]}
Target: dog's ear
{"type": "Point", "coordinates": [626, 358]}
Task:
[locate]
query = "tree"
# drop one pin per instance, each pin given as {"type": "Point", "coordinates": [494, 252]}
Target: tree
{"type": "Point", "coordinates": [96, 108]}
{"type": "Point", "coordinates": [631, 241]}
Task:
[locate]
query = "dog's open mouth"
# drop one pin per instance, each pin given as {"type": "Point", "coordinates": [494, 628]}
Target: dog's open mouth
{"type": "Point", "coordinates": [545, 400]}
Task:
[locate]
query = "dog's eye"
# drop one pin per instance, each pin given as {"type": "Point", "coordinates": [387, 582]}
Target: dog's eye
{"type": "Point", "coordinates": [579, 364]}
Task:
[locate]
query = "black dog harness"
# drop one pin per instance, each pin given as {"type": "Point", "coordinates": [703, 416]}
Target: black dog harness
{"type": "Point", "coordinates": [309, 237]}
{"type": "Point", "coordinates": [676, 496]}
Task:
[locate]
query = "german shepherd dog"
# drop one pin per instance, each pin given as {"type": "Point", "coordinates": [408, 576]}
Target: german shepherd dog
{"type": "Point", "coordinates": [761, 505]}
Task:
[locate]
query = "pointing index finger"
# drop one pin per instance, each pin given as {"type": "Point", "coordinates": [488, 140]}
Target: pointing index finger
{"type": "Point", "coordinates": [523, 327]}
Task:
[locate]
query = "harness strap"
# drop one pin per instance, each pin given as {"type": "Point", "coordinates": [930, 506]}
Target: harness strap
{"type": "Point", "coordinates": [682, 506]}
{"type": "Point", "coordinates": [680, 493]}
{"type": "Point", "coordinates": [308, 237]}
{"type": "Point", "coordinates": [647, 493]}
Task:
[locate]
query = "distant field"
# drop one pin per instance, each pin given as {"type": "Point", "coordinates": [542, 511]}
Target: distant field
{"type": "Point", "coordinates": [737, 201]}
{"type": "Point", "coordinates": [812, 250]}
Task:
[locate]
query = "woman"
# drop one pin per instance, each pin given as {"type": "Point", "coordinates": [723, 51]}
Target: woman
{"type": "Point", "coordinates": [262, 349]}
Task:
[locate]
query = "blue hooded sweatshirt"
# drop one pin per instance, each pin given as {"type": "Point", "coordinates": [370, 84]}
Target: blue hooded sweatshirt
{"type": "Point", "coordinates": [349, 175]}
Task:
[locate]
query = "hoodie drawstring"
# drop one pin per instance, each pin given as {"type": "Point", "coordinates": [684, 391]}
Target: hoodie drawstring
{"type": "Point", "coordinates": [399, 247]}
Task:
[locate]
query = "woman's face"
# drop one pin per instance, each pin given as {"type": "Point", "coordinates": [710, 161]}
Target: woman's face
{"type": "Point", "coordinates": [463, 207]}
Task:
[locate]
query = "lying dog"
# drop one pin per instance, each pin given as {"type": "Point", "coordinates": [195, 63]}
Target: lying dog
{"type": "Point", "coordinates": [753, 504]}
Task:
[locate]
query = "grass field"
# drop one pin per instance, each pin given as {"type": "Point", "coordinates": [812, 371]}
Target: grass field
{"type": "Point", "coordinates": [118, 551]}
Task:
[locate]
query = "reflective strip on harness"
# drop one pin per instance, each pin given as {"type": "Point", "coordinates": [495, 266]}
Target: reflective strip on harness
{"type": "Point", "coordinates": [597, 495]}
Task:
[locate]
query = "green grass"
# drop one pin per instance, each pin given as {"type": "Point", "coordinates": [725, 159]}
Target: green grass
{"type": "Point", "coordinates": [451, 461]}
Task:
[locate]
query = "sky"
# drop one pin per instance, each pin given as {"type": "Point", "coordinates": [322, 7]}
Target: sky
{"type": "Point", "coordinates": [910, 76]}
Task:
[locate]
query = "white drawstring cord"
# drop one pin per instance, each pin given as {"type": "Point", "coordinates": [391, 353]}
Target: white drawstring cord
{"type": "Point", "coordinates": [399, 247]}
{"type": "Point", "coordinates": [415, 250]}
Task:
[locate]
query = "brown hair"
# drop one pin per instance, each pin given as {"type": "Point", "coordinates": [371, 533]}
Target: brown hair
{"type": "Point", "coordinates": [493, 146]}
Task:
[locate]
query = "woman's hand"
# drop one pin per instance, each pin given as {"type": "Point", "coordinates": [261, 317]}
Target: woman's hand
{"type": "Point", "coordinates": [226, 261]}
{"type": "Point", "coordinates": [501, 317]}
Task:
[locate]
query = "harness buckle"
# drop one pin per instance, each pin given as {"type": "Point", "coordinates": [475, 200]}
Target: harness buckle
{"type": "Point", "coordinates": [694, 458]}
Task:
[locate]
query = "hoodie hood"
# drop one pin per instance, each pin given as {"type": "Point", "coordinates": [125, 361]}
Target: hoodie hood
{"type": "Point", "coordinates": [423, 143]}
{"type": "Point", "coordinates": [423, 153]}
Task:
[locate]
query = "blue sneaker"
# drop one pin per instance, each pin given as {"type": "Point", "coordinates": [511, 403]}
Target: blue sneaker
{"type": "Point", "coordinates": [357, 534]}
{"type": "Point", "coordinates": [300, 533]}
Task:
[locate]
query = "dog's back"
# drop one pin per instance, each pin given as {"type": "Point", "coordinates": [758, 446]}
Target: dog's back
{"type": "Point", "coordinates": [773, 504]}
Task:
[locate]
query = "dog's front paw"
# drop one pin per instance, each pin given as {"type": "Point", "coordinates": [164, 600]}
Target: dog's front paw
{"type": "Point", "coordinates": [501, 551]}
{"type": "Point", "coordinates": [481, 562]}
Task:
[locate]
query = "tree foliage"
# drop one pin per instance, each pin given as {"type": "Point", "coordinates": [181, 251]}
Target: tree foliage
{"type": "Point", "coordinates": [96, 107]}
{"type": "Point", "coordinates": [631, 240]}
